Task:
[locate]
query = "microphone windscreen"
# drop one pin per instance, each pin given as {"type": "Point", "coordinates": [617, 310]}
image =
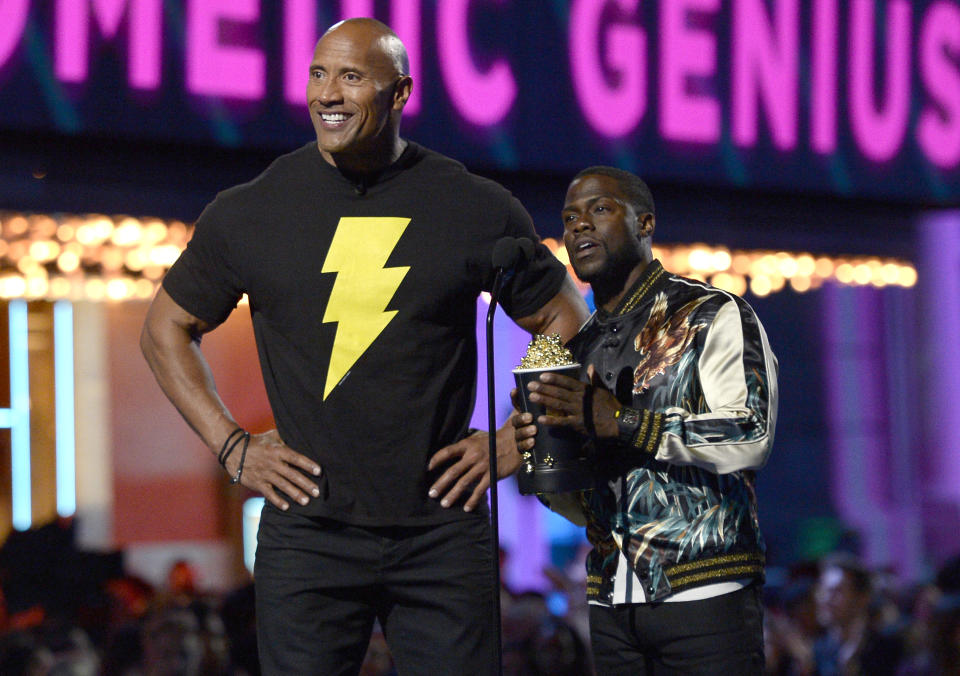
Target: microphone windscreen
{"type": "Point", "coordinates": [506, 252]}
{"type": "Point", "coordinates": [526, 248]}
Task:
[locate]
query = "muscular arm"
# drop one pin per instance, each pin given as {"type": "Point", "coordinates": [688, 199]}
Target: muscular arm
{"type": "Point", "coordinates": [565, 313]}
{"type": "Point", "coordinates": [468, 459]}
{"type": "Point", "coordinates": [170, 341]}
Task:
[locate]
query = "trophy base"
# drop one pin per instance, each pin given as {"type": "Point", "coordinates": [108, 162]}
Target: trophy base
{"type": "Point", "coordinates": [574, 475]}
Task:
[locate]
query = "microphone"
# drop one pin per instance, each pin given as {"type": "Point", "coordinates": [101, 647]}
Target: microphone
{"type": "Point", "coordinates": [526, 248]}
{"type": "Point", "coordinates": [508, 253]}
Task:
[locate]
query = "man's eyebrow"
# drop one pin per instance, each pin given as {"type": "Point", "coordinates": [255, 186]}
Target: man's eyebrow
{"type": "Point", "coordinates": [344, 69]}
{"type": "Point", "coordinates": [590, 202]}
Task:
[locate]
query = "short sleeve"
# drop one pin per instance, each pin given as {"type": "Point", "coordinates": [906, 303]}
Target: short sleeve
{"type": "Point", "coordinates": [536, 281]}
{"type": "Point", "coordinates": [203, 280]}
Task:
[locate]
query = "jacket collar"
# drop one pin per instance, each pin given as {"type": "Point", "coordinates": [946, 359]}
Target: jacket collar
{"type": "Point", "coordinates": [637, 293]}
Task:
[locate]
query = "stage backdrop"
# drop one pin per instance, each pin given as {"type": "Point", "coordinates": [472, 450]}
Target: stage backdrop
{"type": "Point", "coordinates": [858, 98]}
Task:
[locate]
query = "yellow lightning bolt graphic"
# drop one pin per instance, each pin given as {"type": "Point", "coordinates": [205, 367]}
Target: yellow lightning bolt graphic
{"type": "Point", "coordinates": [359, 298]}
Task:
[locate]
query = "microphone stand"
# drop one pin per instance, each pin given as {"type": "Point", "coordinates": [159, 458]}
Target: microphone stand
{"type": "Point", "coordinates": [492, 424]}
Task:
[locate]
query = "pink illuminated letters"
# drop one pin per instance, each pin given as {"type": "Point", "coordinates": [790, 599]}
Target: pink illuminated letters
{"type": "Point", "coordinates": [482, 99]}
{"type": "Point", "coordinates": [687, 52]}
{"type": "Point", "coordinates": [351, 8]}
{"type": "Point", "coordinates": [405, 20]}
{"type": "Point", "coordinates": [765, 67]}
{"type": "Point", "coordinates": [938, 130]}
{"type": "Point", "coordinates": [612, 110]}
{"type": "Point", "coordinates": [823, 77]}
{"type": "Point", "coordinates": [845, 80]}
{"type": "Point", "coordinates": [12, 22]}
{"type": "Point", "coordinates": [215, 69]}
{"type": "Point", "coordinates": [879, 132]}
{"type": "Point", "coordinates": [144, 24]}
{"type": "Point", "coordinates": [299, 39]}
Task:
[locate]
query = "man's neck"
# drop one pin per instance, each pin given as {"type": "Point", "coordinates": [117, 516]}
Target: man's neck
{"type": "Point", "coordinates": [368, 162]}
{"type": "Point", "coordinates": [607, 294]}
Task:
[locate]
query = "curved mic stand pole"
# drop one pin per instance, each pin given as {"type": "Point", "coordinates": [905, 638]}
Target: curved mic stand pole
{"type": "Point", "coordinates": [492, 424]}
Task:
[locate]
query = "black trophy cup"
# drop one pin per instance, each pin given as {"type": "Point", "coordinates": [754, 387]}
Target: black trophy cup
{"type": "Point", "coordinates": [558, 461]}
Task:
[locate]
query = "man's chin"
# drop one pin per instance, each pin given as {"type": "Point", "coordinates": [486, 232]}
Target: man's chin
{"type": "Point", "coordinates": [332, 149]}
{"type": "Point", "coordinates": [588, 273]}
{"type": "Point", "coordinates": [334, 144]}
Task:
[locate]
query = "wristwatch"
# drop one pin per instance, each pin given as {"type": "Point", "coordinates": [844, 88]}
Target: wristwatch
{"type": "Point", "coordinates": [628, 420]}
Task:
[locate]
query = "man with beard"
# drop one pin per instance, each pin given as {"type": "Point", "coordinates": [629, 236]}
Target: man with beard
{"type": "Point", "coordinates": [678, 405]}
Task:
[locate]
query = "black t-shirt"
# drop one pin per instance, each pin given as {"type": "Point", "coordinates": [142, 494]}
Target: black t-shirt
{"type": "Point", "coordinates": [363, 300]}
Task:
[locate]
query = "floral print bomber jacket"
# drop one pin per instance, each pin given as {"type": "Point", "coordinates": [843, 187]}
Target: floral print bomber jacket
{"type": "Point", "coordinates": [678, 498]}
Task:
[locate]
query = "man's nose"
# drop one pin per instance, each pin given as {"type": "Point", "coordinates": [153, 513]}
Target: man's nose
{"type": "Point", "coordinates": [327, 91]}
{"type": "Point", "coordinates": [580, 224]}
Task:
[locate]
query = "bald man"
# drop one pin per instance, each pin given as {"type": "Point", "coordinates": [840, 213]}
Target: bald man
{"type": "Point", "coordinates": [362, 255]}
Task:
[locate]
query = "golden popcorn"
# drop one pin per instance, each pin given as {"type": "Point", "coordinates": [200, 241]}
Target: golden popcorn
{"type": "Point", "coordinates": [559, 461]}
{"type": "Point", "coordinates": [546, 352]}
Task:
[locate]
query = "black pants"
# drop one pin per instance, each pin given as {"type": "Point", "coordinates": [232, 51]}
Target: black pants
{"type": "Point", "coordinates": [722, 635]}
{"type": "Point", "coordinates": [320, 584]}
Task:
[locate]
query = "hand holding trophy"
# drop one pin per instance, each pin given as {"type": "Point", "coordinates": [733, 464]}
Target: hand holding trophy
{"type": "Point", "coordinates": [558, 461]}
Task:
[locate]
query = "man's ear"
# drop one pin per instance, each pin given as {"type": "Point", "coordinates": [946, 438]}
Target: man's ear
{"type": "Point", "coordinates": [401, 92]}
{"type": "Point", "coordinates": [646, 223]}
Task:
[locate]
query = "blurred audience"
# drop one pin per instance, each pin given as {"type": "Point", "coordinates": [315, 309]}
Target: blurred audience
{"type": "Point", "coordinates": [945, 622]}
{"type": "Point", "coordinates": [855, 639]}
{"type": "Point", "coordinates": [791, 627]}
{"type": "Point", "coordinates": [830, 617]}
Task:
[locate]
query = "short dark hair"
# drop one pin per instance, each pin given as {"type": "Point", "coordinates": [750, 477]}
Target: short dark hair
{"type": "Point", "coordinates": [641, 199]}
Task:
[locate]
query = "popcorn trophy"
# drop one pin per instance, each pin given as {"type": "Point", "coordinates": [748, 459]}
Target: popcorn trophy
{"type": "Point", "coordinates": [558, 461]}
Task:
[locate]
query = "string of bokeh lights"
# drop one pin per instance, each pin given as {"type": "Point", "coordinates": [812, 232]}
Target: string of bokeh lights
{"type": "Point", "coordinates": [762, 272]}
{"type": "Point", "coordinates": [94, 257]}
{"type": "Point", "coordinates": [85, 257]}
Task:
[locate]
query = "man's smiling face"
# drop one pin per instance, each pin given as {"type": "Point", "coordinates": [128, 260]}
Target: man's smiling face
{"type": "Point", "coordinates": [351, 92]}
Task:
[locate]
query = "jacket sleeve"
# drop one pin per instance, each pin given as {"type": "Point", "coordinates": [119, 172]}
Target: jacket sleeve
{"type": "Point", "coordinates": [738, 377]}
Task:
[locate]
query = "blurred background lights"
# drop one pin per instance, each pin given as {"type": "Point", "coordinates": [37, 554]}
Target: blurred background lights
{"type": "Point", "coordinates": [765, 272]}
{"type": "Point", "coordinates": [114, 258]}
{"type": "Point", "coordinates": [85, 257]}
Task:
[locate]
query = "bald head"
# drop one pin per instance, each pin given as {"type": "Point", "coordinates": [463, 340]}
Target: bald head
{"type": "Point", "coordinates": [379, 36]}
{"type": "Point", "coordinates": [357, 89]}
